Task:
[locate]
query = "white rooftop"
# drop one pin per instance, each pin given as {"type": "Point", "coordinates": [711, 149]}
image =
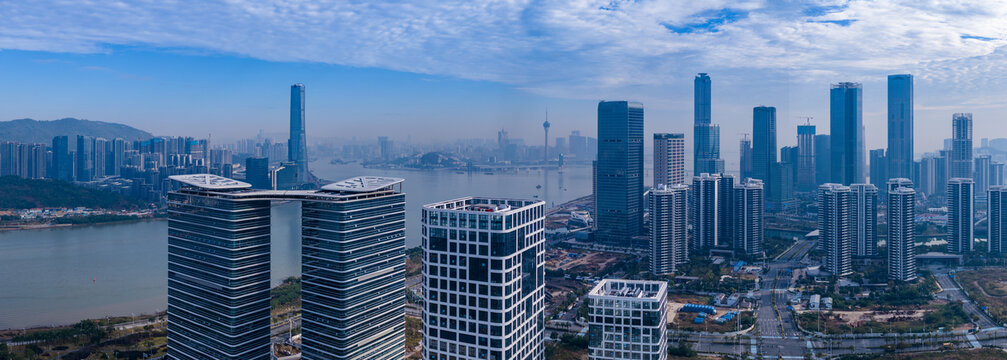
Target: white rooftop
{"type": "Point", "coordinates": [363, 184]}
{"type": "Point", "coordinates": [210, 182]}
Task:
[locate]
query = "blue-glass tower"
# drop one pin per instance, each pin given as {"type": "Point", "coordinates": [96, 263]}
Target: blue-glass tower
{"type": "Point", "coordinates": [900, 126]}
{"type": "Point", "coordinates": [763, 143]}
{"type": "Point", "coordinates": [847, 133]}
{"type": "Point", "coordinates": [619, 192]}
{"type": "Point", "coordinates": [706, 135]}
{"type": "Point", "coordinates": [297, 151]}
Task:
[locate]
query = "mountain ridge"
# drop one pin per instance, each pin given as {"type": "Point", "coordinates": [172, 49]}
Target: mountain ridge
{"type": "Point", "coordinates": [42, 131]}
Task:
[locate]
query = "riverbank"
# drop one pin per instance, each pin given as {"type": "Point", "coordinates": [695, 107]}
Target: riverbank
{"type": "Point", "coordinates": [85, 223]}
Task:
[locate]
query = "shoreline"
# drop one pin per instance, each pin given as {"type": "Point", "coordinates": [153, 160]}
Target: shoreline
{"type": "Point", "coordinates": [53, 226]}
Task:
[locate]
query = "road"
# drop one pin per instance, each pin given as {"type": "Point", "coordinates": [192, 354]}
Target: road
{"type": "Point", "coordinates": [954, 293]}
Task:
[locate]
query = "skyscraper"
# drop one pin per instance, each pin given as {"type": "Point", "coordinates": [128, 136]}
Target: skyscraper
{"type": "Point", "coordinates": [62, 164]}
{"type": "Point", "coordinates": [711, 217]}
{"type": "Point", "coordinates": [997, 199]}
{"type": "Point", "coordinates": [748, 207]}
{"type": "Point", "coordinates": [763, 143]}
{"type": "Point", "coordinates": [864, 203]}
{"type": "Point", "coordinates": [297, 146]}
{"type": "Point", "coordinates": [669, 159]}
{"type": "Point", "coordinates": [353, 270]}
{"type": "Point", "coordinates": [879, 168]}
{"type": "Point", "coordinates": [806, 158]}
{"type": "Point", "coordinates": [900, 125]}
{"type": "Point", "coordinates": [545, 147]}
{"type": "Point", "coordinates": [644, 331]}
{"type": "Point", "coordinates": [483, 280]}
{"type": "Point", "coordinates": [745, 147]}
{"type": "Point", "coordinates": [981, 175]}
{"type": "Point", "coordinates": [620, 171]}
{"type": "Point", "coordinates": [669, 207]}
{"type": "Point", "coordinates": [85, 158]}
{"type": "Point", "coordinates": [835, 227]}
{"type": "Point", "coordinates": [823, 159]}
{"type": "Point", "coordinates": [961, 237]}
{"type": "Point", "coordinates": [901, 230]}
{"type": "Point", "coordinates": [706, 135]}
{"type": "Point", "coordinates": [257, 173]}
{"type": "Point", "coordinates": [961, 146]}
{"type": "Point", "coordinates": [847, 133]}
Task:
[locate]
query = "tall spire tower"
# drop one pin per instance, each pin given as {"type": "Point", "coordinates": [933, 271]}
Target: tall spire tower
{"type": "Point", "coordinates": [545, 150]}
{"type": "Point", "coordinates": [297, 147]}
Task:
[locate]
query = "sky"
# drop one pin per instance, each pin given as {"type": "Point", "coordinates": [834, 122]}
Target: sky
{"type": "Point", "coordinates": [433, 70]}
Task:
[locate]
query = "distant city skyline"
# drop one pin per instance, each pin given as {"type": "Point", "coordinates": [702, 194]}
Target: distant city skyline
{"type": "Point", "coordinates": [167, 78]}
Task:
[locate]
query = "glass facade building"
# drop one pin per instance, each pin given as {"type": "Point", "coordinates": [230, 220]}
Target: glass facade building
{"type": "Point", "coordinates": [900, 126]}
{"type": "Point", "coordinates": [961, 145]}
{"type": "Point", "coordinates": [764, 156]}
{"type": "Point", "coordinates": [484, 279]}
{"type": "Point", "coordinates": [706, 135]}
{"type": "Point", "coordinates": [960, 200]}
{"type": "Point", "coordinates": [297, 146]}
{"type": "Point", "coordinates": [619, 191]}
{"type": "Point", "coordinates": [626, 320]}
{"type": "Point", "coordinates": [847, 133]}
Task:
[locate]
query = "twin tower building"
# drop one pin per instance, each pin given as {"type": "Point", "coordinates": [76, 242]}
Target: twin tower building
{"type": "Point", "coordinates": [483, 274]}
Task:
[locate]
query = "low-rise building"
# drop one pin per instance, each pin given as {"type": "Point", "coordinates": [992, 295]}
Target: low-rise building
{"type": "Point", "coordinates": [627, 320]}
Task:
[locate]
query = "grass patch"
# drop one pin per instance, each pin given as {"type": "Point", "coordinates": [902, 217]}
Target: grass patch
{"type": "Point", "coordinates": [948, 316]}
{"type": "Point", "coordinates": [987, 287]}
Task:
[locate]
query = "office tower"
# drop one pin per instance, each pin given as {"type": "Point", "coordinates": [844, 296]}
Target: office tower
{"type": "Point", "coordinates": [748, 207]}
{"type": "Point", "coordinates": [847, 133]}
{"type": "Point", "coordinates": [62, 164]}
{"type": "Point", "coordinates": [353, 270]}
{"type": "Point", "coordinates": [8, 158]}
{"type": "Point", "coordinates": [901, 229]}
{"type": "Point", "coordinates": [33, 160]}
{"type": "Point", "coordinates": [835, 227]}
{"type": "Point", "coordinates": [997, 211]}
{"type": "Point", "coordinates": [483, 279]}
{"type": "Point", "coordinates": [745, 147]}
{"type": "Point", "coordinates": [620, 171]}
{"type": "Point", "coordinates": [669, 207]}
{"type": "Point", "coordinates": [981, 175]}
{"type": "Point", "coordinates": [879, 168]}
{"type": "Point", "coordinates": [933, 175]}
{"type": "Point", "coordinates": [960, 215]}
{"type": "Point", "coordinates": [900, 125]}
{"type": "Point", "coordinates": [669, 159]}
{"type": "Point", "coordinates": [101, 150]}
{"type": "Point", "coordinates": [782, 175]}
{"type": "Point", "coordinates": [615, 332]}
{"type": "Point", "coordinates": [806, 158]}
{"type": "Point", "coordinates": [823, 159]}
{"type": "Point", "coordinates": [706, 135]}
{"type": "Point", "coordinates": [502, 139]}
{"type": "Point", "coordinates": [712, 220]}
{"type": "Point", "coordinates": [560, 146]}
{"type": "Point", "coordinates": [85, 158]}
{"type": "Point", "coordinates": [218, 270]}
{"type": "Point", "coordinates": [996, 177]}
{"type": "Point", "coordinates": [297, 146]}
{"type": "Point", "coordinates": [545, 147]}
{"type": "Point", "coordinates": [117, 157]}
{"type": "Point", "coordinates": [578, 145]}
{"type": "Point", "coordinates": [763, 143]}
{"type": "Point", "coordinates": [257, 173]}
{"type": "Point", "coordinates": [961, 146]}
{"type": "Point", "coordinates": [864, 203]}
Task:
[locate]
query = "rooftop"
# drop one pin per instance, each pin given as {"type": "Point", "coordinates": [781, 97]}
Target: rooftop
{"type": "Point", "coordinates": [210, 182]}
{"type": "Point", "coordinates": [630, 289]}
{"type": "Point", "coordinates": [362, 184]}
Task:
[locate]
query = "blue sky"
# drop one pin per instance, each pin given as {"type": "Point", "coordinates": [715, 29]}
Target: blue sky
{"type": "Point", "coordinates": [461, 69]}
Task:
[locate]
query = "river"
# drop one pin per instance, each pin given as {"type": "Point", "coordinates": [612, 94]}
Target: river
{"type": "Point", "coordinates": [63, 275]}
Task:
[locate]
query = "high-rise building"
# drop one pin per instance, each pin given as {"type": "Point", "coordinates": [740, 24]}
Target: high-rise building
{"type": "Point", "coordinates": [615, 332]}
{"type": "Point", "coordinates": [353, 290]}
{"type": "Point", "coordinates": [981, 175]}
{"type": "Point", "coordinates": [85, 158]}
{"type": "Point", "coordinates": [996, 177]}
{"type": "Point", "coordinates": [297, 146]}
{"type": "Point", "coordinates": [901, 230]}
{"type": "Point", "coordinates": [748, 207]}
{"type": "Point", "coordinates": [806, 158]}
{"type": "Point", "coordinates": [578, 146]}
{"type": "Point", "coordinates": [745, 147]}
{"type": "Point", "coordinates": [385, 147]}
{"type": "Point", "coordinates": [900, 126]}
{"type": "Point", "coordinates": [545, 147]}
{"type": "Point", "coordinates": [961, 236]}
{"type": "Point", "coordinates": [864, 203]}
{"type": "Point", "coordinates": [706, 135]}
{"type": "Point", "coordinates": [483, 279]}
{"type": "Point", "coordinates": [835, 227]}
{"type": "Point", "coordinates": [763, 143]}
{"type": "Point", "coordinates": [257, 173]}
{"type": "Point", "coordinates": [823, 159]}
{"type": "Point", "coordinates": [961, 146]}
{"type": "Point", "coordinates": [847, 133]}
{"type": "Point", "coordinates": [669, 207]}
{"type": "Point", "coordinates": [353, 270]}
{"type": "Point", "coordinates": [997, 200]}
{"type": "Point", "coordinates": [620, 171]}
{"type": "Point", "coordinates": [101, 148]}
{"type": "Point", "coordinates": [933, 175]}
{"type": "Point", "coordinates": [879, 168]}
{"type": "Point", "coordinates": [711, 218]}
{"type": "Point", "coordinates": [782, 175]}
{"type": "Point", "coordinates": [117, 157]}
{"type": "Point", "coordinates": [895, 183]}
{"type": "Point", "coordinates": [62, 163]}
{"type": "Point", "coordinates": [9, 158]}
{"type": "Point", "coordinates": [218, 270]}
{"type": "Point", "coordinates": [669, 159]}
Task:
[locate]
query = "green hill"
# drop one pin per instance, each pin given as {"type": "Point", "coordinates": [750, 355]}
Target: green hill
{"type": "Point", "coordinates": [41, 131]}
{"type": "Point", "coordinates": [20, 193]}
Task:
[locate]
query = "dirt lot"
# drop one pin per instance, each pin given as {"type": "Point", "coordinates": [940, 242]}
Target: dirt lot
{"type": "Point", "coordinates": [988, 287]}
{"type": "Point", "coordinates": [586, 261]}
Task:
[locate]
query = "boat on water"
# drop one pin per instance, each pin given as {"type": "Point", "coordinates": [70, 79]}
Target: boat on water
{"type": "Point", "coordinates": [579, 219]}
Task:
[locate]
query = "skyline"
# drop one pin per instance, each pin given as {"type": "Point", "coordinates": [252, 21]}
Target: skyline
{"type": "Point", "coordinates": [170, 80]}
